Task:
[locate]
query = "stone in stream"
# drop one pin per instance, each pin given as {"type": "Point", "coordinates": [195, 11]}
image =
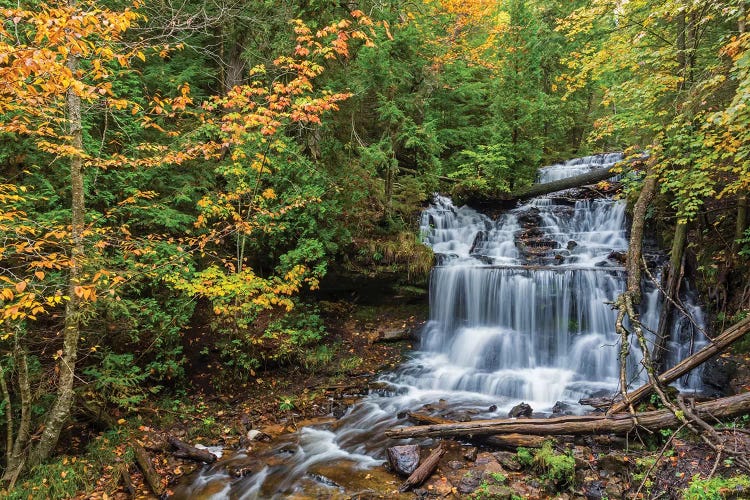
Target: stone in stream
{"type": "Point", "coordinates": [561, 408]}
{"type": "Point", "coordinates": [471, 454]}
{"type": "Point", "coordinates": [521, 410]}
{"type": "Point", "coordinates": [403, 459]}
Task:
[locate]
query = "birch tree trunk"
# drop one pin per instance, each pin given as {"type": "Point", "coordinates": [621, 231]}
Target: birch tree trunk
{"type": "Point", "coordinates": [60, 411]}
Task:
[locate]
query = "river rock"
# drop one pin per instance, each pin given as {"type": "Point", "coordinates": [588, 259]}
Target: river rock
{"type": "Point", "coordinates": [508, 460]}
{"type": "Point", "coordinates": [521, 410]}
{"type": "Point", "coordinates": [471, 454]}
{"type": "Point", "coordinates": [404, 459]}
{"type": "Point", "coordinates": [561, 408]}
{"type": "Point", "coordinates": [571, 245]}
{"type": "Point", "coordinates": [717, 374]}
{"type": "Point", "coordinates": [594, 490]}
{"type": "Point", "coordinates": [616, 256]}
{"type": "Point", "coordinates": [613, 463]}
{"type": "Point", "coordinates": [469, 482]}
{"type": "Point", "coordinates": [256, 435]}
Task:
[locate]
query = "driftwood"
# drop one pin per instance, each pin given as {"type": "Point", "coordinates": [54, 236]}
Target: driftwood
{"type": "Point", "coordinates": [184, 450]}
{"type": "Point", "coordinates": [425, 470]}
{"type": "Point", "coordinates": [621, 423]}
{"type": "Point", "coordinates": [717, 345]}
{"type": "Point", "coordinates": [149, 473]}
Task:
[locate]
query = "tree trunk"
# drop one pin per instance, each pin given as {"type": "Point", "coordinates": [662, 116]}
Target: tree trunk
{"type": "Point", "coordinates": [17, 457]}
{"type": "Point", "coordinates": [60, 411]}
{"type": "Point", "coordinates": [622, 423]}
{"type": "Point", "coordinates": [717, 345]}
{"type": "Point", "coordinates": [672, 293]}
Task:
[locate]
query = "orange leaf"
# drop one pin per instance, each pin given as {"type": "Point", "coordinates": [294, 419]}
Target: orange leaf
{"type": "Point", "coordinates": [21, 286]}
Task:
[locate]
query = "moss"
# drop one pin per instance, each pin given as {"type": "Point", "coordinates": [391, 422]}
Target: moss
{"type": "Point", "coordinates": [718, 488]}
{"type": "Point", "coordinates": [557, 470]}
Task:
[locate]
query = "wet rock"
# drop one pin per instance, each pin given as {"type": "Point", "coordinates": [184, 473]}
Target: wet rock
{"type": "Point", "coordinates": [614, 489]}
{"type": "Point", "coordinates": [497, 492]}
{"type": "Point", "coordinates": [256, 435]}
{"type": "Point", "coordinates": [340, 410]}
{"type": "Point", "coordinates": [492, 408]}
{"type": "Point", "coordinates": [571, 245]}
{"type": "Point", "coordinates": [593, 490]}
{"type": "Point", "coordinates": [508, 460]}
{"type": "Point", "coordinates": [420, 492]}
{"type": "Point", "coordinates": [240, 470]}
{"type": "Point", "coordinates": [613, 463]}
{"type": "Point", "coordinates": [521, 410]}
{"type": "Point", "coordinates": [455, 464]}
{"type": "Point", "coordinates": [619, 257]}
{"type": "Point", "coordinates": [319, 478]}
{"type": "Point", "coordinates": [442, 487]}
{"type": "Point", "coordinates": [471, 454]}
{"type": "Point", "coordinates": [459, 416]}
{"type": "Point", "coordinates": [403, 459]}
{"type": "Point", "coordinates": [469, 482]}
{"type": "Point", "coordinates": [561, 408]}
{"type": "Point", "coordinates": [717, 376]}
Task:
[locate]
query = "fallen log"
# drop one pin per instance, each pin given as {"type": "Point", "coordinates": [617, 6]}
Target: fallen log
{"type": "Point", "coordinates": [717, 345]}
{"type": "Point", "coordinates": [127, 481]}
{"type": "Point", "coordinates": [513, 441]}
{"type": "Point", "coordinates": [423, 471]}
{"type": "Point", "coordinates": [149, 473]}
{"type": "Point", "coordinates": [621, 423]}
{"type": "Point", "coordinates": [592, 177]}
{"type": "Point", "coordinates": [186, 451]}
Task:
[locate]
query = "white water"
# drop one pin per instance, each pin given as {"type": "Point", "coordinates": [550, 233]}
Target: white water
{"type": "Point", "coordinates": [519, 311]}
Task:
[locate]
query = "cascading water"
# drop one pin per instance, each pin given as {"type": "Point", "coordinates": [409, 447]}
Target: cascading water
{"type": "Point", "coordinates": [519, 311]}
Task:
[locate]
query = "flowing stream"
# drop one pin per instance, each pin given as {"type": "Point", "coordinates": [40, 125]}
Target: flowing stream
{"type": "Point", "coordinates": [519, 311]}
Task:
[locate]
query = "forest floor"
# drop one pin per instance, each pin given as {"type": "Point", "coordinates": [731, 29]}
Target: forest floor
{"type": "Point", "coordinates": [282, 401]}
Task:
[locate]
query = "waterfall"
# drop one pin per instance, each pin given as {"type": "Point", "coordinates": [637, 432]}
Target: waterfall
{"type": "Point", "coordinates": [520, 310]}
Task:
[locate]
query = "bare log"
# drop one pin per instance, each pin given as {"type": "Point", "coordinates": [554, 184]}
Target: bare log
{"type": "Point", "coordinates": [425, 470]}
{"type": "Point", "coordinates": [717, 345]}
{"type": "Point", "coordinates": [621, 423]}
{"type": "Point", "coordinates": [535, 190]}
{"type": "Point", "coordinates": [149, 473]}
{"type": "Point", "coordinates": [184, 450]}
{"type": "Point", "coordinates": [514, 440]}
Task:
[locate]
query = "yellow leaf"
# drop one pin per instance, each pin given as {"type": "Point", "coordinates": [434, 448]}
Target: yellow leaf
{"type": "Point", "coordinates": [39, 275]}
{"type": "Point", "coordinates": [121, 421]}
{"type": "Point", "coordinates": [141, 56]}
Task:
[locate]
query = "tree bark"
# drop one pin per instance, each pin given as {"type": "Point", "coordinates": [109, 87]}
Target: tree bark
{"type": "Point", "coordinates": [17, 458]}
{"type": "Point", "coordinates": [149, 474]}
{"type": "Point", "coordinates": [425, 470]}
{"type": "Point", "coordinates": [184, 450]}
{"type": "Point", "coordinates": [672, 293]}
{"type": "Point", "coordinates": [717, 345]}
{"type": "Point", "coordinates": [60, 411]}
{"type": "Point", "coordinates": [569, 183]}
{"type": "Point", "coordinates": [622, 423]}
{"type": "Point", "coordinates": [507, 441]}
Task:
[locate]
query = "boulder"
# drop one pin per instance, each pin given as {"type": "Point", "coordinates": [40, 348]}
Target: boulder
{"type": "Point", "coordinates": [403, 459]}
{"type": "Point", "coordinates": [521, 410]}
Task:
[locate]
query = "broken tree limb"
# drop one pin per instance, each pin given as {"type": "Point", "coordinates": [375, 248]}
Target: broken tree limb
{"type": "Point", "coordinates": [184, 450]}
{"type": "Point", "coordinates": [423, 471]}
{"type": "Point", "coordinates": [621, 423]}
{"type": "Point", "coordinates": [717, 345]}
{"type": "Point", "coordinates": [149, 473]}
